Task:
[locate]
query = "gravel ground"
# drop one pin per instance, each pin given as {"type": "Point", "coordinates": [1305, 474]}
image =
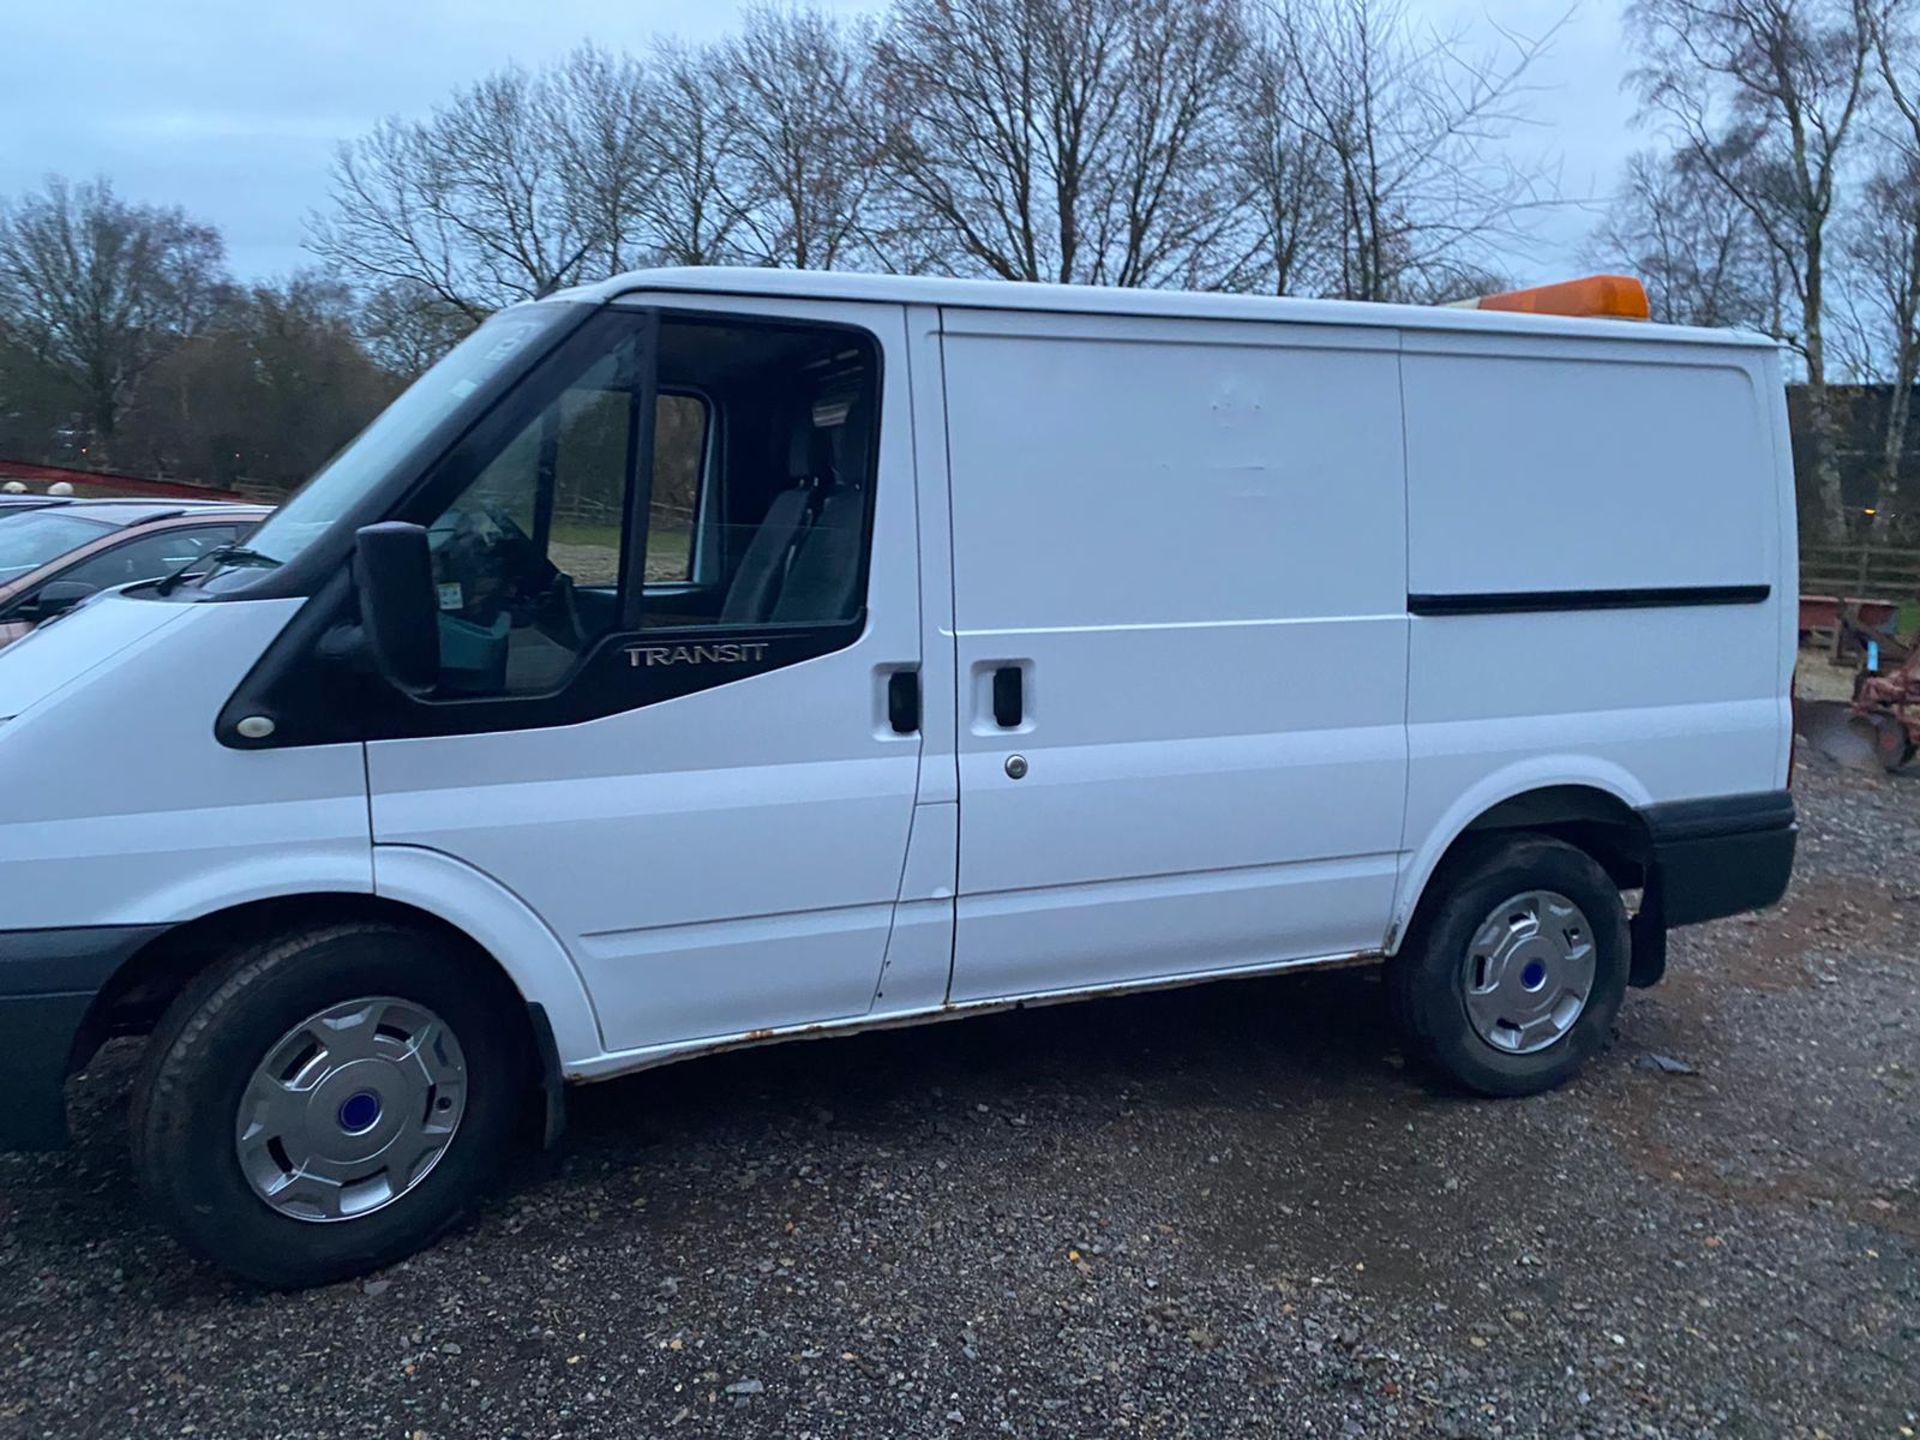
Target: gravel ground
{"type": "Point", "coordinates": [1223, 1211]}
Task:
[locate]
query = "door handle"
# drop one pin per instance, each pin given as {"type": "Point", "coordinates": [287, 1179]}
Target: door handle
{"type": "Point", "coordinates": [903, 702]}
{"type": "Point", "coordinates": [1009, 697]}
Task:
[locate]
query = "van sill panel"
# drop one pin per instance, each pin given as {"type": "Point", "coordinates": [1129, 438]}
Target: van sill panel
{"type": "Point", "coordinates": [614, 1066]}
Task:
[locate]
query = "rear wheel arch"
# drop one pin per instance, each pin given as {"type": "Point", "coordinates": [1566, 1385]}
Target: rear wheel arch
{"type": "Point", "coordinates": [1589, 819]}
{"type": "Point", "coordinates": [1595, 820]}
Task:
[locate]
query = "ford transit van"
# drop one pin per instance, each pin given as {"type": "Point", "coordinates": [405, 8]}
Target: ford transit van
{"type": "Point", "coordinates": [712, 658]}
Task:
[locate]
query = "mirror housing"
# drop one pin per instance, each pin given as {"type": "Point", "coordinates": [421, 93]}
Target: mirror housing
{"type": "Point", "coordinates": [56, 597]}
{"type": "Point", "coordinates": [399, 611]}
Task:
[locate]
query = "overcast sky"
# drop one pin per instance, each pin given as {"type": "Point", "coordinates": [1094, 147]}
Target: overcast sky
{"type": "Point", "coordinates": [232, 108]}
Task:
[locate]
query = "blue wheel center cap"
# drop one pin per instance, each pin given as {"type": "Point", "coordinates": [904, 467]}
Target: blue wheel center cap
{"type": "Point", "coordinates": [360, 1112]}
{"type": "Point", "coordinates": [1533, 977]}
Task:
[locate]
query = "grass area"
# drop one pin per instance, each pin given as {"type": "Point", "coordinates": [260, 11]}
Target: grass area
{"type": "Point", "coordinates": [586, 551]}
{"type": "Point", "coordinates": [574, 534]}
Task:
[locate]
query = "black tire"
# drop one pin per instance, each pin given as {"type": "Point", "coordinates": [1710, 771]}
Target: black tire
{"type": "Point", "coordinates": [201, 1057]}
{"type": "Point", "coordinates": [1426, 981]}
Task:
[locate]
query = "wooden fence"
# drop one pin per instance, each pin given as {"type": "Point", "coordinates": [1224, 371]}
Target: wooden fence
{"type": "Point", "coordinates": [1861, 571]}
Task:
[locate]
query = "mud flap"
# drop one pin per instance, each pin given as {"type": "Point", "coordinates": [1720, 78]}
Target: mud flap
{"type": "Point", "coordinates": [552, 1116]}
{"type": "Point", "coordinates": [1648, 934]}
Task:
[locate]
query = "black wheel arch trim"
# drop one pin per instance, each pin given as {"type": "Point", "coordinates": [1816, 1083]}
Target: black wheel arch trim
{"type": "Point", "coordinates": [1672, 821]}
{"type": "Point", "coordinates": [553, 1082]}
{"type": "Point", "coordinates": [48, 981]}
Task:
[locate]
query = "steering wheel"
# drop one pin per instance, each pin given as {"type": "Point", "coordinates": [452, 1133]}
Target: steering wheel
{"type": "Point", "coordinates": [500, 568]}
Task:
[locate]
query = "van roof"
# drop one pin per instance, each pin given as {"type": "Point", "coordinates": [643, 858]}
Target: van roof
{"type": "Point", "coordinates": [1108, 300]}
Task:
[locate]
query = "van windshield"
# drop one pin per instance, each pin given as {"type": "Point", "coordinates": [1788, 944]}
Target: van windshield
{"type": "Point", "coordinates": [370, 457]}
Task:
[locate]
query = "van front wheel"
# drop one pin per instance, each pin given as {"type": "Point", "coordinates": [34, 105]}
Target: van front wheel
{"type": "Point", "coordinates": [1514, 975]}
{"type": "Point", "coordinates": [326, 1102]}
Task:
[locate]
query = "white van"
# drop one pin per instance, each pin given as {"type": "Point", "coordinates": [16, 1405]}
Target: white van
{"type": "Point", "coordinates": [710, 658]}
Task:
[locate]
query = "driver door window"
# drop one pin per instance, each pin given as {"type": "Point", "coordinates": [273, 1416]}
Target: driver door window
{"type": "Point", "coordinates": [527, 559]}
{"type": "Point", "coordinates": [741, 452]}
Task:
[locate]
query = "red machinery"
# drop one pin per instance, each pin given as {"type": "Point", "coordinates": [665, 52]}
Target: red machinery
{"type": "Point", "coordinates": [1889, 702]}
{"type": "Point", "coordinates": [1836, 621]}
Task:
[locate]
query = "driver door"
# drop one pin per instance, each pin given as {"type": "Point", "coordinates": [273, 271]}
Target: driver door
{"type": "Point", "coordinates": [710, 813]}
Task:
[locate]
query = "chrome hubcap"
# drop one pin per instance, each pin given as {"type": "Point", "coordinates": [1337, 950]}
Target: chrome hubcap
{"type": "Point", "coordinates": [1529, 972]}
{"type": "Point", "coordinates": [351, 1108]}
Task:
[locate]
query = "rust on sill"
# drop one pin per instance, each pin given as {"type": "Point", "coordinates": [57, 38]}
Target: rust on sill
{"type": "Point", "coordinates": [950, 1009]}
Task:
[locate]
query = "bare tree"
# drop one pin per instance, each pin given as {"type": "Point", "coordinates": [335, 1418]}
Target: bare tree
{"type": "Point", "coordinates": [386, 226]}
{"type": "Point", "coordinates": [1762, 98]}
{"type": "Point", "coordinates": [273, 385]}
{"type": "Point", "coordinates": [1068, 140]}
{"type": "Point", "coordinates": [1417, 129]}
{"type": "Point", "coordinates": [695, 197]}
{"type": "Point", "coordinates": [505, 192]}
{"type": "Point", "coordinates": [405, 327]}
{"type": "Point", "coordinates": [1290, 210]}
{"type": "Point", "coordinates": [797, 98]}
{"type": "Point", "coordinates": [594, 114]}
{"type": "Point", "coordinates": [1339, 149]}
{"type": "Point", "coordinates": [97, 289]}
{"type": "Point", "coordinates": [964, 85]}
{"type": "Point", "coordinates": [38, 409]}
{"type": "Point", "coordinates": [525, 182]}
{"type": "Point", "coordinates": [1168, 193]}
{"type": "Point", "coordinates": [1880, 241]}
{"type": "Point", "coordinates": [1697, 249]}
{"type": "Point", "coordinates": [469, 204]}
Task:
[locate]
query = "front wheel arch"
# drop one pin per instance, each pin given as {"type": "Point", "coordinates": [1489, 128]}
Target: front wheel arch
{"type": "Point", "coordinates": [154, 976]}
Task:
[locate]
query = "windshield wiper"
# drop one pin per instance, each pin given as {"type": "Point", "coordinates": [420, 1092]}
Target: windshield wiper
{"type": "Point", "coordinates": [234, 554]}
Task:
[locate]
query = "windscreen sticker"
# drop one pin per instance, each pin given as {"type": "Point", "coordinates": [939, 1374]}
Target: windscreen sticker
{"type": "Point", "coordinates": [450, 598]}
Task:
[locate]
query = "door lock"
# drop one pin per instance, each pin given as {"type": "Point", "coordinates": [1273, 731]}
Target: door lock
{"type": "Point", "coordinates": [1016, 767]}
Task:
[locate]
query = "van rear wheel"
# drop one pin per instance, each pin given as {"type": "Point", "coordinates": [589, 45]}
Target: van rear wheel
{"type": "Point", "coordinates": [1513, 976]}
{"type": "Point", "coordinates": [328, 1101]}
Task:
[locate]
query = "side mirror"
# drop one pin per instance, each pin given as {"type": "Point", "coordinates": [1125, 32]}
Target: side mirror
{"type": "Point", "coordinates": [56, 597]}
{"type": "Point", "coordinates": [399, 615]}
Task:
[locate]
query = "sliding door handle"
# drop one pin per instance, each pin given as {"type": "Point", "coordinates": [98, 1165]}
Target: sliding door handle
{"type": "Point", "coordinates": [903, 702]}
{"type": "Point", "coordinates": [1009, 697]}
